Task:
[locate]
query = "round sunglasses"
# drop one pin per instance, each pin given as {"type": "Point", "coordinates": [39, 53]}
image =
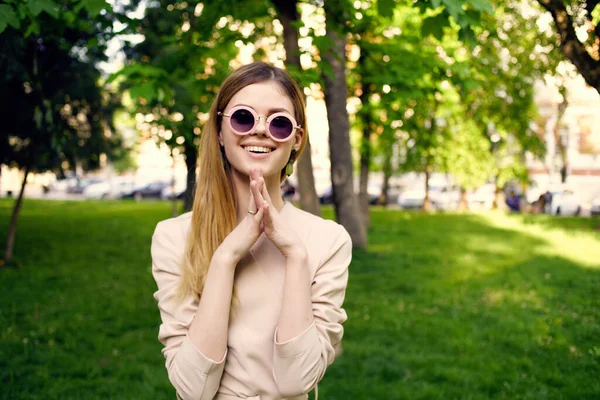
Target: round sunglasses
{"type": "Point", "coordinates": [243, 121]}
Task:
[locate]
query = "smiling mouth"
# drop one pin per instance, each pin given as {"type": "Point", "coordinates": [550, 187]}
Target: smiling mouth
{"type": "Point", "coordinates": [257, 149]}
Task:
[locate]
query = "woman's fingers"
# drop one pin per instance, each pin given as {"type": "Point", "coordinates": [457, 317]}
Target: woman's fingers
{"type": "Point", "coordinates": [251, 203]}
{"type": "Point", "coordinates": [268, 218]}
{"type": "Point", "coordinates": [259, 215]}
{"type": "Point", "coordinates": [265, 193]}
{"type": "Point", "coordinates": [255, 189]}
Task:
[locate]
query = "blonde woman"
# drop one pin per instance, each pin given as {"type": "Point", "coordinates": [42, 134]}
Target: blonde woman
{"type": "Point", "coordinates": [250, 288]}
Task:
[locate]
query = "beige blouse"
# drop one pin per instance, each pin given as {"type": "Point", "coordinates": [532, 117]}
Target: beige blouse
{"type": "Point", "coordinates": [255, 365]}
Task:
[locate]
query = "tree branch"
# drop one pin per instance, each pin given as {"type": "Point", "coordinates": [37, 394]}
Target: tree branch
{"type": "Point", "coordinates": [570, 45]}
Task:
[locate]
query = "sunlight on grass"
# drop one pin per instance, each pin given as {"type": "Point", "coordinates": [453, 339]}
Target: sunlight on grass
{"type": "Point", "coordinates": [581, 247]}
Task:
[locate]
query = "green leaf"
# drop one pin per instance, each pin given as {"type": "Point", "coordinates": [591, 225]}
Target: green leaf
{"type": "Point", "coordinates": [36, 7]}
{"type": "Point", "coordinates": [32, 29]}
{"type": "Point", "coordinates": [434, 26]}
{"type": "Point", "coordinates": [8, 17]}
{"type": "Point", "coordinates": [145, 90]}
{"type": "Point", "coordinates": [37, 117]}
{"type": "Point", "coordinates": [93, 42]}
{"type": "Point", "coordinates": [482, 5]}
{"type": "Point", "coordinates": [69, 17]}
{"type": "Point", "coordinates": [94, 7]}
{"type": "Point", "coordinates": [454, 8]}
{"type": "Point", "coordinates": [385, 8]}
{"type": "Point", "coordinates": [596, 15]}
{"type": "Point", "coordinates": [467, 35]}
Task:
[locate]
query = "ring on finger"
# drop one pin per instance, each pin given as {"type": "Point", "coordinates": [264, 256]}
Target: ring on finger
{"type": "Point", "coordinates": [251, 212]}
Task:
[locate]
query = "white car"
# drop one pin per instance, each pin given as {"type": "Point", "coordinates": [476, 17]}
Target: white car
{"type": "Point", "coordinates": [447, 198]}
{"type": "Point", "coordinates": [565, 202]}
{"type": "Point", "coordinates": [109, 190]}
{"type": "Point", "coordinates": [169, 192]}
{"type": "Point", "coordinates": [482, 198]}
{"type": "Point", "coordinates": [441, 197]}
{"type": "Point", "coordinates": [411, 198]}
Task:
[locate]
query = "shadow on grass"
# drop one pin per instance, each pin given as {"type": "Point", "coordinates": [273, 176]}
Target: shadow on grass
{"type": "Point", "coordinates": [448, 306]}
{"type": "Point", "coordinates": [569, 224]}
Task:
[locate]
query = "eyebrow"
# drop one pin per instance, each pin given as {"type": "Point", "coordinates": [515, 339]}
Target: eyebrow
{"type": "Point", "coordinates": [271, 110]}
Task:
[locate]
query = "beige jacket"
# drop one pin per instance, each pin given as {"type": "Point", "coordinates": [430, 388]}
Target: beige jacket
{"type": "Point", "coordinates": [255, 366]}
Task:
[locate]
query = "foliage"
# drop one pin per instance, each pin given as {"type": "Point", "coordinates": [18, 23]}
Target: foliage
{"type": "Point", "coordinates": [496, 79]}
{"type": "Point", "coordinates": [56, 113]}
{"type": "Point", "coordinates": [443, 97]}
{"type": "Point", "coordinates": [433, 306]}
{"type": "Point", "coordinates": [439, 14]}
{"type": "Point", "coordinates": [577, 23]}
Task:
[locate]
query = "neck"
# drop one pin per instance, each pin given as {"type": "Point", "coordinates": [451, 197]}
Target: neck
{"type": "Point", "coordinates": [241, 186]}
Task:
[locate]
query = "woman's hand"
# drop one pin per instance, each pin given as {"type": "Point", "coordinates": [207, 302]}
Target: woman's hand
{"type": "Point", "coordinates": [239, 241]}
{"type": "Point", "coordinates": [279, 232]}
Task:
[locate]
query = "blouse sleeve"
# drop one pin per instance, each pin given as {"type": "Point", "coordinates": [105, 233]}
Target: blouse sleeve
{"type": "Point", "coordinates": [300, 363]}
{"type": "Point", "coordinates": [193, 375]}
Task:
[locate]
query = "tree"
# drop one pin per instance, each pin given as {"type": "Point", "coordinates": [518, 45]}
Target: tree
{"type": "Point", "coordinates": [334, 54]}
{"type": "Point", "coordinates": [54, 111]}
{"type": "Point", "coordinates": [582, 50]}
{"type": "Point", "coordinates": [390, 39]}
{"type": "Point", "coordinates": [287, 13]}
{"type": "Point", "coordinates": [496, 81]}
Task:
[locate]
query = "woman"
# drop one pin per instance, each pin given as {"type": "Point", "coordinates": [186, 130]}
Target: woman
{"type": "Point", "coordinates": [250, 288]}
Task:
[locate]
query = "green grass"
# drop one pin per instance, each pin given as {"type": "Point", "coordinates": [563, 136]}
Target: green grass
{"type": "Point", "coordinates": [444, 306]}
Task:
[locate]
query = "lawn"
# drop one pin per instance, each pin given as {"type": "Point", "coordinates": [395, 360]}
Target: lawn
{"type": "Point", "coordinates": [446, 306]}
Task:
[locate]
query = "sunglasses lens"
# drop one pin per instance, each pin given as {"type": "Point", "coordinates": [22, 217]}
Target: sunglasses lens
{"type": "Point", "coordinates": [281, 127]}
{"type": "Point", "coordinates": [242, 121]}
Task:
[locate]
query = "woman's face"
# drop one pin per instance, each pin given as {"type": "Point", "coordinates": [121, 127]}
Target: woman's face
{"type": "Point", "coordinates": [258, 149]}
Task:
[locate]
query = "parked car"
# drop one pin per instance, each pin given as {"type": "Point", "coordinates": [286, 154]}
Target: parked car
{"type": "Point", "coordinates": [150, 191]}
{"type": "Point", "coordinates": [447, 198]}
{"type": "Point", "coordinates": [412, 198]}
{"type": "Point", "coordinates": [168, 192]}
{"type": "Point", "coordinates": [81, 184]}
{"type": "Point", "coordinates": [326, 196]}
{"type": "Point", "coordinates": [441, 197]}
{"type": "Point", "coordinates": [114, 189]}
{"type": "Point", "coordinates": [482, 198]}
{"type": "Point", "coordinates": [62, 184]}
{"type": "Point", "coordinates": [565, 201]}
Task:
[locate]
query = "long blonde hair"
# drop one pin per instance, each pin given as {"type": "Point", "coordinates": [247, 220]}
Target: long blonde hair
{"type": "Point", "coordinates": [214, 209]}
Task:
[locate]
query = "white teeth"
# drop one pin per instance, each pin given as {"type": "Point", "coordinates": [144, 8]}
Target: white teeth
{"type": "Point", "coordinates": [257, 149]}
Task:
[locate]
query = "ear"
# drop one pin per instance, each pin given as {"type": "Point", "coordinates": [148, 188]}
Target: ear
{"type": "Point", "coordinates": [298, 139]}
{"type": "Point", "coordinates": [221, 140]}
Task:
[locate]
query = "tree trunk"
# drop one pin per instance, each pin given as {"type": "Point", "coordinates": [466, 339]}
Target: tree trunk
{"type": "Point", "coordinates": [287, 13]}
{"type": "Point", "coordinates": [558, 140]}
{"type": "Point", "coordinates": [462, 204]}
{"type": "Point", "coordinates": [499, 197]}
{"type": "Point", "coordinates": [570, 45]}
{"type": "Point", "coordinates": [346, 207]}
{"type": "Point", "coordinates": [191, 158]}
{"type": "Point", "coordinates": [387, 174]}
{"type": "Point", "coordinates": [365, 146]}
{"type": "Point", "coordinates": [427, 201]}
{"type": "Point", "coordinates": [12, 229]}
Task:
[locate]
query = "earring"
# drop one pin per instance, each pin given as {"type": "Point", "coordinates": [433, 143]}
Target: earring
{"type": "Point", "coordinates": [289, 168]}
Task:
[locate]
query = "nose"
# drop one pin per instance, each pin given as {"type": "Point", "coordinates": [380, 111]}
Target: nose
{"type": "Point", "coordinates": [261, 126]}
